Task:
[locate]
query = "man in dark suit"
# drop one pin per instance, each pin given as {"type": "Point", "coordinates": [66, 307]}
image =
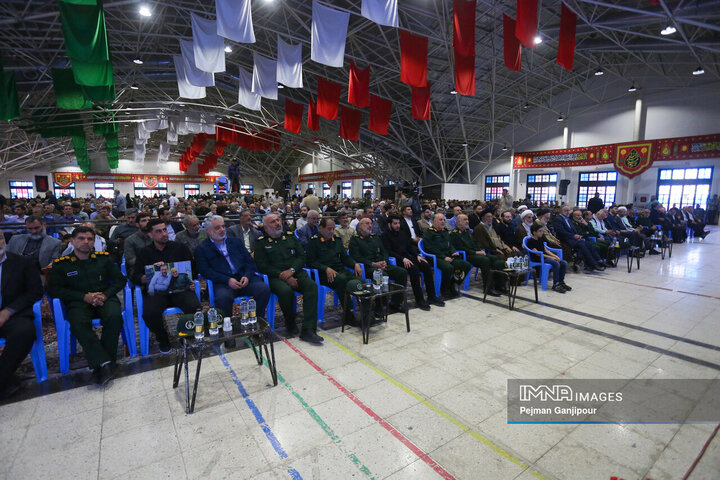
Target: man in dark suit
{"type": "Point", "coordinates": [409, 225]}
{"type": "Point", "coordinates": [566, 233]}
{"type": "Point", "coordinates": [399, 244]}
{"type": "Point", "coordinates": [310, 229]}
{"type": "Point", "coordinates": [20, 287]}
{"type": "Point", "coordinates": [596, 203]}
{"type": "Point", "coordinates": [174, 227]}
{"type": "Point", "coordinates": [36, 244]}
{"type": "Point", "coordinates": [245, 231]}
{"type": "Point", "coordinates": [228, 264]}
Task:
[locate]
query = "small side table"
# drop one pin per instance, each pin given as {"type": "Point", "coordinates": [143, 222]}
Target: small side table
{"type": "Point", "coordinates": [367, 297]}
{"type": "Point", "coordinates": [631, 252]}
{"type": "Point", "coordinates": [512, 281]}
{"type": "Point", "coordinates": [259, 339]}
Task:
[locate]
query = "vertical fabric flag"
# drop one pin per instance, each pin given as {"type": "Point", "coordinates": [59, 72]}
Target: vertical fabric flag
{"type": "Point", "coordinates": [566, 45]}
{"type": "Point", "coordinates": [465, 74]}
{"type": "Point", "coordinates": [329, 33]}
{"type": "Point", "coordinates": [359, 85]}
{"type": "Point", "coordinates": [526, 22]}
{"type": "Point", "coordinates": [9, 105]}
{"type": "Point", "coordinates": [511, 44]}
{"type": "Point", "coordinates": [413, 59]}
{"type": "Point", "coordinates": [208, 46]}
{"type": "Point", "coordinates": [464, 27]}
{"type": "Point", "coordinates": [194, 75]}
{"type": "Point", "coordinates": [264, 79]}
{"type": "Point", "coordinates": [350, 123]}
{"type": "Point", "coordinates": [186, 89]}
{"type": "Point", "coordinates": [328, 98]}
{"type": "Point", "coordinates": [234, 20]}
{"type": "Point", "coordinates": [289, 64]}
{"type": "Point", "coordinates": [293, 115]}
{"type": "Point", "coordinates": [68, 94]}
{"type": "Point", "coordinates": [382, 12]}
{"type": "Point", "coordinates": [172, 134]}
{"type": "Point", "coordinates": [421, 103]}
{"type": "Point", "coordinates": [313, 122]}
{"type": "Point", "coordinates": [380, 110]}
{"type": "Point", "coordinates": [246, 97]}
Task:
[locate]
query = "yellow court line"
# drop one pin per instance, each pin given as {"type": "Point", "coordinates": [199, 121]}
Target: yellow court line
{"type": "Point", "coordinates": [465, 428]}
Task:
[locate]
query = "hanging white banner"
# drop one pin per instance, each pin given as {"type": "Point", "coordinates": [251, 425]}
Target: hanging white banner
{"type": "Point", "coordinates": [329, 32]}
{"type": "Point", "coordinates": [264, 79]}
{"type": "Point", "coordinates": [194, 75]}
{"type": "Point", "coordinates": [209, 47]}
{"type": "Point", "coordinates": [234, 20]}
{"type": "Point", "coordinates": [186, 89]}
{"type": "Point", "coordinates": [289, 64]}
{"type": "Point", "coordinates": [383, 12]}
{"type": "Point", "coordinates": [246, 97]}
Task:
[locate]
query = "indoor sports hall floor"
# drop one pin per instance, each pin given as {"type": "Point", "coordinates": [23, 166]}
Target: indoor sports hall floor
{"type": "Point", "coordinates": [427, 404]}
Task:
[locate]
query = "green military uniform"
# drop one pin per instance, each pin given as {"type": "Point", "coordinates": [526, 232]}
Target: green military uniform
{"type": "Point", "coordinates": [437, 242]}
{"type": "Point", "coordinates": [587, 231]}
{"type": "Point", "coordinates": [464, 241]}
{"type": "Point", "coordinates": [323, 254]}
{"type": "Point", "coordinates": [368, 250]}
{"type": "Point", "coordinates": [70, 280]}
{"type": "Point", "coordinates": [275, 255]}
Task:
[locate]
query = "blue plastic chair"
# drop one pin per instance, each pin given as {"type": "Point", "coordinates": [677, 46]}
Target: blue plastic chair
{"type": "Point", "coordinates": [466, 284]}
{"type": "Point", "coordinates": [143, 330]}
{"type": "Point", "coordinates": [272, 303]}
{"type": "Point", "coordinates": [322, 293]}
{"type": "Point", "coordinates": [544, 267]}
{"type": "Point", "coordinates": [37, 354]}
{"type": "Point", "coordinates": [67, 344]}
{"type": "Point", "coordinates": [437, 274]}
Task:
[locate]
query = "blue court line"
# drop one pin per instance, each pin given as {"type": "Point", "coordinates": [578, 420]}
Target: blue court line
{"type": "Point", "coordinates": [294, 474]}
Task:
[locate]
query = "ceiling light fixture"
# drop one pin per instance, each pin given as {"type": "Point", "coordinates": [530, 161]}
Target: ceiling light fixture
{"type": "Point", "coordinates": [134, 87]}
{"type": "Point", "coordinates": [526, 106]}
{"type": "Point", "coordinates": [599, 72]}
{"type": "Point", "coordinates": [228, 49]}
{"type": "Point", "coordinates": [138, 61]}
{"type": "Point", "coordinates": [453, 92]}
{"type": "Point", "coordinates": [537, 40]}
{"type": "Point", "coordinates": [505, 147]}
{"type": "Point", "coordinates": [632, 88]}
{"type": "Point", "coordinates": [464, 144]}
{"type": "Point", "coordinates": [669, 30]}
{"type": "Point", "coordinates": [698, 71]}
{"type": "Point", "coordinates": [145, 11]}
{"type": "Point", "coordinates": [280, 85]}
{"type": "Point", "coordinates": [560, 118]}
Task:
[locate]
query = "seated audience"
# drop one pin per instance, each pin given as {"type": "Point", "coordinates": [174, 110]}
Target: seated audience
{"type": "Point", "coordinates": [245, 230]}
{"type": "Point", "coordinates": [559, 266]}
{"type": "Point", "coordinates": [436, 241]}
{"type": "Point", "coordinates": [136, 242]}
{"type": "Point", "coordinates": [489, 240]}
{"type": "Point", "coordinates": [343, 229]}
{"type": "Point", "coordinates": [37, 245]}
{"type": "Point", "coordinates": [565, 231]}
{"type": "Point", "coordinates": [462, 239]}
{"type": "Point", "coordinates": [310, 228]}
{"type": "Point", "coordinates": [192, 235]}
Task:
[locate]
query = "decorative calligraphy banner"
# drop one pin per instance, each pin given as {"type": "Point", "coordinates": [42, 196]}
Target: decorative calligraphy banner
{"type": "Point", "coordinates": [66, 178]}
{"type": "Point", "coordinates": [621, 154]}
{"type": "Point", "coordinates": [338, 175]}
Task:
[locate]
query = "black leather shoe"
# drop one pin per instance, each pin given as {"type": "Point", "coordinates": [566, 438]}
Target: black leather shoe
{"type": "Point", "coordinates": [437, 302]}
{"type": "Point", "coordinates": [11, 388]}
{"type": "Point", "coordinates": [558, 288]}
{"type": "Point", "coordinates": [600, 267]}
{"type": "Point", "coordinates": [165, 347]}
{"type": "Point", "coordinates": [311, 337]}
{"type": "Point", "coordinates": [566, 286]}
{"type": "Point", "coordinates": [105, 374]}
{"type": "Point", "coordinates": [424, 306]}
{"type": "Point", "coordinates": [610, 263]}
{"type": "Point", "coordinates": [494, 293]}
{"type": "Point", "coordinates": [654, 252]}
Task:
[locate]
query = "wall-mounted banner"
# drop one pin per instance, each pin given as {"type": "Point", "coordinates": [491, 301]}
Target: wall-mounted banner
{"type": "Point", "coordinates": [64, 179]}
{"type": "Point", "coordinates": [632, 159]}
{"type": "Point", "coordinates": [627, 163]}
{"type": "Point", "coordinates": [338, 175]}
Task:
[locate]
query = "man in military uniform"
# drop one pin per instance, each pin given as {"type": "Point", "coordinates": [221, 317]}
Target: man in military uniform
{"type": "Point", "coordinates": [88, 283]}
{"type": "Point", "coordinates": [325, 252]}
{"type": "Point", "coordinates": [367, 248]}
{"type": "Point", "coordinates": [436, 241]}
{"type": "Point", "coordinates": [462, 239]}
{"type": "Point", "coordinates": [279, 255]}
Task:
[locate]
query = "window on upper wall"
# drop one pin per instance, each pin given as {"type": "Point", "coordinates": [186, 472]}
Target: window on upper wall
{"type": "Point", "coordinates": [494, 185]}
{"type": "Point", "coordinates": [346, 189]}
{"type": "Point", "coordinates": [298, 190]}
{"type": "Point", "coordinates": [369, 185]}
{"type": "Point", "coordinates": [68, 191]}
{"type": "Point", "coordinates": [246, 189]}
{"type": "Point", "coordinates": [21, 189]}
{"type": "Point", "coordinates": [105, 190]}
{"type": "Point", "coordinates": [326, 190]}
{"type": "Point", "coordinates": [542, 187]}
{"type": "Point", "coordinates": [192, 189]}
{"type": "Point", "coordinates": [143, 191]}
{"type": "Point", "coordinates": [605, 183]}
{"type": "Point", "coordinates": [682, 187]}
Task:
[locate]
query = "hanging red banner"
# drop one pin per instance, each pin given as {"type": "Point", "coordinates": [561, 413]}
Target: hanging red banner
{"type": "Point", "coordinates": [566, 45]}
{"type": "Point", "coordinates": [413, 59]}
{"type": "Point", "coordinates": [511, 44]}
{"type": "Point", "coordinates": [350, 123]}
{"type": "Point", "coordinates": [380, 110]}
{"type": "Point", "coordinates": [359, 85]}
{"type": "Point", "coordinates": [69, 177]}
{"type": "Point", "coordinates": [328, 98]}
{"type": "Point", "coordinates": [632, 159]}
{"type": "Point", "coordinates": [526, 22]}
{"type": "Point", "coordinates": [328, 177]}
{"type": "Point", "coordinates": [421, 103]}
{"type": "Point", "coordinates": [293, 116]}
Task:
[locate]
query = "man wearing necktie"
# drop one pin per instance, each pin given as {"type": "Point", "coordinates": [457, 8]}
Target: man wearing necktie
{"type": "Point", "coordinates": [566, 233]}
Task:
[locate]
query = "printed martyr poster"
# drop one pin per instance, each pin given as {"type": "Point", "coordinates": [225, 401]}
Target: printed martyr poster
{"type": "Point", "coordinates": [169, 278]}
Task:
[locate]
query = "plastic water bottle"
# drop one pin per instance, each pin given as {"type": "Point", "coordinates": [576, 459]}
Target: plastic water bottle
{"type": "Point", "coordinates": [213, 321]}
{"type": "Point", "coordinates": [517, 262]}
{"type": "Point", "coordinates": [526, 262]}
{"type": "Point", "coordinates": [227, 332]}
{"type": "Point", "coordinates": [510, 263]}
{"type": "Point", "coordinates": [252, 313]}
{"type": "Point", "coordinates": [244, 321]}
{"type": "Point", "coordinates": [199, 322]}
{"type": "Point", "coordinates": [377, 280]}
